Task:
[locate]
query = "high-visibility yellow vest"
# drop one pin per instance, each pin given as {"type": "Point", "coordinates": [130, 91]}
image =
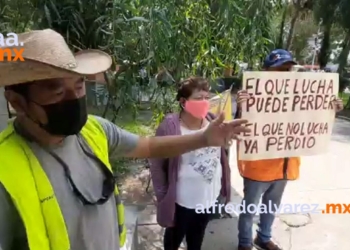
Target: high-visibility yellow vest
{"type": "Point", "coordinates": [30, 189]}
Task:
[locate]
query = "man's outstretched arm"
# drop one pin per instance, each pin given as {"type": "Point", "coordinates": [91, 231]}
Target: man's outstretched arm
{"type": "Point", "coordinates": [167, 146]}
{"type": "Point", "coordinates": [124, 143]}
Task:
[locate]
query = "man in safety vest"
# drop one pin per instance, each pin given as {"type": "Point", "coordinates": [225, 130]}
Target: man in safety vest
{"type": "Point", "coordinates": [57, 190]}
{"type": "Point", "coordinates": [266, 178]}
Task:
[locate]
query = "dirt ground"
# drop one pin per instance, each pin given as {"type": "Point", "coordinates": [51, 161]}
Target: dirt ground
{"type": "Point", "coordinates": [133, 187]}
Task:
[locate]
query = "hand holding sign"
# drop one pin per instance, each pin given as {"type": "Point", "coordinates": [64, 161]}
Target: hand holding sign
{"type": "Point", "coordinates": [242, 96]}
{"type": "Point", "coordinates": [338, 104]}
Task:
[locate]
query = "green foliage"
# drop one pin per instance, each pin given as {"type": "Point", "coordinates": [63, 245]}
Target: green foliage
{"type": "Point", "coordinates": [183, 37]}
{"type": "Point", "coordinates": [344, 97]}
{"type": "Point", "coordinates": [333, 15]}
{"type": "Point", "coordinates": [186, 35]}
{"type": "Point", "coordinates": [326, 11]}
{"type": "Point", "coordinates": [343, 12]}
{"type": "Point", "coordinates": [343, 83]}
{"type": "Point", "coordinates": [136, 126]}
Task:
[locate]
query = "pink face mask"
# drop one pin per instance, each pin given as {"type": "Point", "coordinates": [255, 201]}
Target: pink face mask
{"type": "Point", "coordinates": [198, 109]}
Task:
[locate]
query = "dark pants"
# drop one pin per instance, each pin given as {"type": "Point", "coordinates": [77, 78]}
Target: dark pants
{"type": "Point", "coordinates": [187, 223]}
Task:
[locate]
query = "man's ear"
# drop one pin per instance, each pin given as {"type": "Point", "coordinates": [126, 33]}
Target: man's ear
{"type": "Point", "coordinates": [17, 101]}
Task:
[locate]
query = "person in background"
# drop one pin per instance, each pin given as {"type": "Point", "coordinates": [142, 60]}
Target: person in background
{"type": "Point", "coordinates": [57, 189]}
{"type": "Point", "coordinates": [236, 86]}
{"type": "Point", "coordinates": [266, 178]}
{"type": "Point", "coordinates": [183, 182]}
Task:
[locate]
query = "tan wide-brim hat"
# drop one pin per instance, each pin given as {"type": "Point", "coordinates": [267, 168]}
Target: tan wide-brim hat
{"type": "Point", "coordinates": [46, 56]}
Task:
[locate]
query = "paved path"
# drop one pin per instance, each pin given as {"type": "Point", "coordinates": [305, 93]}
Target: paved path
{"type": "Point", "coordinates": [323, 179]}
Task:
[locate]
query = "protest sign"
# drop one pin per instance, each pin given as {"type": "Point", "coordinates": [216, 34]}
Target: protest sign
{"type": "Point", "coordinates": [290, 114]}
{"type": "Point", "coordinates": [221, 102]}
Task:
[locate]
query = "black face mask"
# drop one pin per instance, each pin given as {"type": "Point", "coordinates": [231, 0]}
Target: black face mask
{"type": "Point", "coordinates": [65, 118]}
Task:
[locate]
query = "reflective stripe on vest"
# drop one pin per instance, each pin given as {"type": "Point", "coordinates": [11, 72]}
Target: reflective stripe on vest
{"type": "Point", "coordinates": [32, 193]}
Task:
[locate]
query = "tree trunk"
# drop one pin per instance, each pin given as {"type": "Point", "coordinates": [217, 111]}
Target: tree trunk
{"type": "Point", "coordinates": [325, 50]}
{"type": "Point", "coordinates": [343, 59]}
{"type": "Point", "coordinates": [343, 56]}
{"type": "Point", "coordinates": [292, 26]}
{"type": "Point", "coordinates": [283, 23]}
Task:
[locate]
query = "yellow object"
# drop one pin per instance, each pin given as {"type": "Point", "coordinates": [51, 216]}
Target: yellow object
{"type": "Point", "coordinates": [32, 193]}
{"type": "Point", "coordinates": [222, 102]}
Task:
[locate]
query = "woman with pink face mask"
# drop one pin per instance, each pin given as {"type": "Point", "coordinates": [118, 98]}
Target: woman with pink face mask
{"type": "Point", "coordinates": [188, 187]}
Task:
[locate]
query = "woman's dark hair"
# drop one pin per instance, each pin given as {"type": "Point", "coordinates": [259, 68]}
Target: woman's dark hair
{"type": "Point", "coordinates": [191, 84]}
